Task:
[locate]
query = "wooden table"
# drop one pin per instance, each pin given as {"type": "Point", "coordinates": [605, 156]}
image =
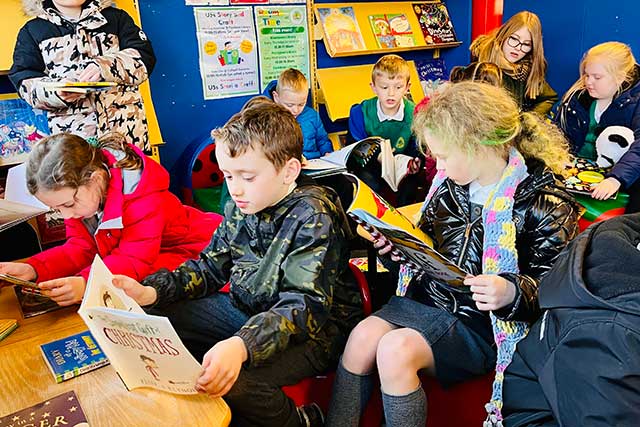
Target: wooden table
{"type": "Point", "coordinates": [26, 380]}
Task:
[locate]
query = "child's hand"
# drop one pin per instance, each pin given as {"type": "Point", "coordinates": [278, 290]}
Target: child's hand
{"type": "Point", "coordinates": [606, 189]}
{"type": "Point", "coordinates": [384, 247]}
{"type": "Point", "coordinates": [18, 269]}
{"type": "Point", "coordinates": [222, 366]}
{"type": "Point", "coordinates": [70, 97]}
{"type": "Point", "coordinates": [143, 295]}
{"type": "Point", "coordinates": [414, 166]}
{"type": "Point", "coordinates": [91, 73]}
{"type": "Point", "coordinates": [64, 291]}
{"type": "Point", "coordinates": [490, 291]}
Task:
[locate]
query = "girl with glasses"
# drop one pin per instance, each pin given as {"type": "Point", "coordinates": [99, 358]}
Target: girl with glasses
{"type": "Point", "coordinates": [516, 47]}
{"type": "Point", "coordinates": [116, 203]}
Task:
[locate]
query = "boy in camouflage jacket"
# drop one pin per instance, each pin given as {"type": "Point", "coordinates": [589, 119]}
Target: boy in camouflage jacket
{"type": "Point", "coordinates": [84, 40]}
{"type": "Point", "coordinates": [283, 247]}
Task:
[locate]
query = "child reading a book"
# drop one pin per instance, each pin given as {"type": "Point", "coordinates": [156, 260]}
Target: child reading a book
{"type": "Point", "coordinates": [388, 115]}
{"type": "Point", "coordinates": [116, 203]}
{"type": "Point", "coordinates": [606, 94]}
{"type": "Point", "coordinates": [283, 248]}
{"type": "Point", "coordinates": [291, 91]}
{"type": "Point", "coordinates": [496, 210]}
{"type": "Point", "coordinates": [516, 47]}
{"type": "Point", "coordinates": [84, 41]}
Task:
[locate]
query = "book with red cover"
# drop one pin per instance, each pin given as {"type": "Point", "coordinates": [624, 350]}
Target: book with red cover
{"type": "Point", "coordinates": [62, 410]}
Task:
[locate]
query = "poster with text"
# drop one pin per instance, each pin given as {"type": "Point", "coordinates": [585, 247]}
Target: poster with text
{"type": "Point", "coordinates": [227, 48]}
{"type": "Point", "coordinates": [283, 39]}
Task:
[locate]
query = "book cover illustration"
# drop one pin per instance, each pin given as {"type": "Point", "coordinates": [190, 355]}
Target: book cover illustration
{"type": "Point", "coordinates": [432, 74]}
{"type": "Point", "coordinates": [62, 410]}
{"type": "Point", "coordinates": [72, 356]}
{"type": "Point", "coordinates": [341, 30]}
{"type": "Point", "coordinates": [145, 350]}
{"type": "Point", "coordinates": [435, 23]}
{"type": "Point", "coordinates": [584, 174]}
{"type": "Point", "coordinates": [20, 127]}
{"type": "Point", "coordinates": [392, 30]}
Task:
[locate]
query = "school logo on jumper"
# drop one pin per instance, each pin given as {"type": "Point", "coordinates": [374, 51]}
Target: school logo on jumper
{"type": "Point", "coordinates": [400, 143]}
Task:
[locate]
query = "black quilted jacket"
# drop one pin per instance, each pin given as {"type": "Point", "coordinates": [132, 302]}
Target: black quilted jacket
{"type": "Point", "coordinates": [546, 220]}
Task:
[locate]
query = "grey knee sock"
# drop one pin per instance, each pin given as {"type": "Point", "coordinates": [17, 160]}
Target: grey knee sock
{"type": "Point", "coordinates": [349, 398]}
{"type": "Point", "coordinates": [409, 410]}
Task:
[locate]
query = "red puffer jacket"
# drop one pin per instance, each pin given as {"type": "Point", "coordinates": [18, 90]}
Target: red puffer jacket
{"type": "Point", "coordinates": [140, 232]}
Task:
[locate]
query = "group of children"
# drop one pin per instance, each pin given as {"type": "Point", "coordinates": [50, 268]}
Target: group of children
{"type": "Point", "coordinates": [293, 309]}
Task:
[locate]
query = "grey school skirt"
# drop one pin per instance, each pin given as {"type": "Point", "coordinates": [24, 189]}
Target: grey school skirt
{"type": "Point", "coordinates": [459, 352]}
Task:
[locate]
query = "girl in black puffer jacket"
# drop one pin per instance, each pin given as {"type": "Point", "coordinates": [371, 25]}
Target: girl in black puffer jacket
{"type": "Point", "coordinates": [496, 210]}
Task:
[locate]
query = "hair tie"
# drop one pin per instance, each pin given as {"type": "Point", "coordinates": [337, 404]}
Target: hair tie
{"type": "Point", "coordinates": [93, 141]}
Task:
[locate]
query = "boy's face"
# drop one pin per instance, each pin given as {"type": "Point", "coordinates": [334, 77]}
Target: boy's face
{"type": "Point", "coordinates": [390, 92]}
{"type": "Point", "coordinates": [254, 183]}
{"type": "Point", "coordinates": [291, 100]}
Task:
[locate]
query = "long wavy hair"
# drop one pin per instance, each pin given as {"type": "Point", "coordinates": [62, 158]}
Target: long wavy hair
{"type": "Point", "coordinates": [470, 115]}
{"type": "Point", "coordinates": [488, 48]}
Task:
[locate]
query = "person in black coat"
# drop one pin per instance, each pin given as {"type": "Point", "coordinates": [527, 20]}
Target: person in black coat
{"type": "Point", "coordinates": [579, 365]}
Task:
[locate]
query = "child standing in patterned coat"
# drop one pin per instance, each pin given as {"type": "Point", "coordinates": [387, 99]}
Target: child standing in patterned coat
{"type": "Point", "coordinates": [84, 40]}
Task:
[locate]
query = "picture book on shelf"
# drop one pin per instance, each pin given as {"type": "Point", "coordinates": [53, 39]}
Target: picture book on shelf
{"type": "Point", "coordinates": [6, 327]}
{"type": "Point", "coordinates": [435, 22]}
{"type": "Point", "coordinates": [72, 356]}
{"type": "Point", "coordinates": [432, 73]}
{"type": "Point", "coordinates": [392, 30]}
{"type": "Point", "coordinates": [20, 127]}
{"type": "Point", "coordinates": [341, 30]}
{"type": "Point", "coordinates": [145, 350]}
{"type": "Point", "coordinates": [378, 217]}
{"type": "Point", "coordinates": [358, 153]}
{"type": "Point", "coordinates": [62, 410]}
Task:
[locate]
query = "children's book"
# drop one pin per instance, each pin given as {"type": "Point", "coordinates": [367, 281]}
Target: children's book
{"type": "Point", "coordinates": [341, 30]}
{"type": "Point", "coordinates": [72, 356]}
{"type": "Point", "coordinates": [584, 175]}
{"type": "Point", "coordinates": [62, 410]}
{"type": "Point", "coordinates": [18, 204]}
{"type": "Point", "coordinates": [144, 349]}
{"type": "Point", "coordinates": [432, 73]}
{"type": "Point", "coordinates": [32, 303]}
{"type": "Point", "coordinates": [435, 22]}
{"type": "Point", "coordinates": [13, 213]}
{"type": "Point", "coordinates": [411, 244]}
{"type": "Point", "coordinates": [21, 126]}
{"type": "Point", "coordinates": [394, 167]}
{"type": "Point", "coordinates": [392, 30]}
{"type": "Point", "coordinates": [359, 153]}
{"type": "Point", "coordinates": [6, 327]}
{"type": "Point", "coordinates": [78, 87]}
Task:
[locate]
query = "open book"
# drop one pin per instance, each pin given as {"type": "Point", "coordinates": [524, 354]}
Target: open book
{"type": "Point", "coordinates": [394, 167]}
{"type": "Point", "coordinates": [144, 349]}
{"type": "Point", "coordinates": [18, 205]}
{"type": "Point", "coordinates": [78, 87]}
{"type": "Point", "coordinates": [378, 217]}
{"type": "Point", "coordinates": [583, 176]}
{"type": "Point", "coordinates": [360, 152]}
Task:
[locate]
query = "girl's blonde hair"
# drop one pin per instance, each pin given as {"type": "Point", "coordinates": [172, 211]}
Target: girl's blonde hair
{"type": "Point", "coordinates": [488, 48]}
{"type": "Point", "coordinates": [67, 160]}
{"type": "Point", "coordinates": [470, 115]}
{"type": "Point", "coordinates": [617, 60]}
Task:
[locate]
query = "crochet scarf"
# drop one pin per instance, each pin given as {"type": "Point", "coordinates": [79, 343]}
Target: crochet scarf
{"type": "Point", "coordinates": [499, 255]}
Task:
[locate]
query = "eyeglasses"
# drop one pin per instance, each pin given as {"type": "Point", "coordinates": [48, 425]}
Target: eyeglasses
{"type": "Point", "coordinates": [515, 42]}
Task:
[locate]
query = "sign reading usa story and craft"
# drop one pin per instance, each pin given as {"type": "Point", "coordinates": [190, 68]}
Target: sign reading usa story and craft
{"type": "Point", "coordinates": [227, 48]}
{"type": "Point", "coordinates": [283, 39]}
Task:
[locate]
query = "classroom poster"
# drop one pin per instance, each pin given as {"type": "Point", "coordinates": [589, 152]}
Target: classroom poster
{"type": "Point", "coordinates": [283, 40]}
{"type": "Point", "coordinates": [227, 49]}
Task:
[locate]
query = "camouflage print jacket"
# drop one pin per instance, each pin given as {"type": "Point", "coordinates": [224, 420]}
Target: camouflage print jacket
{"type": "Point", "coordinates": [52, 48]}
{"type": "Point", "coordinates": [288, 269]}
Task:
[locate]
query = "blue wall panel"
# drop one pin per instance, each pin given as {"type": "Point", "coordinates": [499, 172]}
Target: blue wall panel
{"type": "Point", "coordinates": [571, 27]}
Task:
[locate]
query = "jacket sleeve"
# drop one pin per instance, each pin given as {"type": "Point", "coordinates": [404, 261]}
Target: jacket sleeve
{"type": "Point", "coordinates": [550, 224]}
{"type": "Point", "coordinates": [322, 139]}
{"type": "Point", "coordinates": [306, 290]}
{"type": "Point", "coordinates": [195, 278]}
{"type": "Point", "coordinates": [68, 259]}
{"type": "Point", "coordinates": [627, 170]}
{"type": "Point", "coordinates": [135, 60]}
{"type": "Point", "coordinates": [543, 103]}
{"type": "Point", "coordinates": [356, 123]}
{"type": "Point", "coordinates": [28, 70]}
{"type": "Point", "coordinates": [589, 380]}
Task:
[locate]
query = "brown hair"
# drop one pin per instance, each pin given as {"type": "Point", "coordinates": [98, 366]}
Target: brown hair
{"type": "Point", "coordinates": [393, 66]}
{"type": "Point", "coordinates": [293, 80]}
{"type": "Point", "coordinates": [481, 72]}
{"type": "Point", "coordinates": [488, 48]}
{"type": "Point", "coordinates": [264, 125]}
{"type": "Point", "coordinates": [67, 160]}
{"type": "Point", "coordinates": [468, 115]}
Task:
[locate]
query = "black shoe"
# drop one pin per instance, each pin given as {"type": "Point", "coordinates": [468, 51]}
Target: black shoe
{"type": "Point", "coordinates": [311, 415]}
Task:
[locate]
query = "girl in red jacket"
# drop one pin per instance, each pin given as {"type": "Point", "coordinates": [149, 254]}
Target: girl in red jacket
{"type": "Point", "coordinates": [116, 203]}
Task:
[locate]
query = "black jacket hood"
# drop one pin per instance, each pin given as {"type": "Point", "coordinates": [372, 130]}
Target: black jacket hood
{"type": "Point", "coordinates": [600, 269]}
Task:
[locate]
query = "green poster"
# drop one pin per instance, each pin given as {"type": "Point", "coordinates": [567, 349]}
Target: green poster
{"type": "Point", "coordinates": [283, 41]}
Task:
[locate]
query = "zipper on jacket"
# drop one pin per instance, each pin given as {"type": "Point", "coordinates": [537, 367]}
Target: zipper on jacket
{"type": "Point", "coordinates": [467, 233]}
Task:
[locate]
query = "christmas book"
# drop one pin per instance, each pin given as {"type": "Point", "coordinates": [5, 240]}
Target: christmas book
{"type": "Point", "coordinates": [73, 356]}
{"type": "Point", "coordinates": [62, 410]}
{"type": "Point", "coordinates": [145, 350]}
